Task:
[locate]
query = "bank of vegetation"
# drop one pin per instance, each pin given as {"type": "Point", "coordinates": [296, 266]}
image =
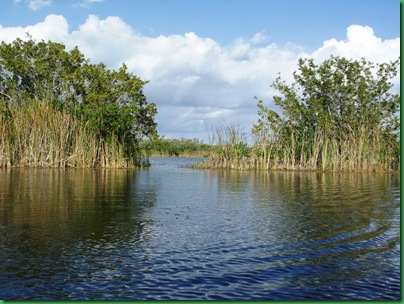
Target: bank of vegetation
{"type": "Point", "coordinates": [184, 147]}
{"type": "Point", "coordinates": [339, 115]}
{"type": "Point", "coordinates": [59, 110]}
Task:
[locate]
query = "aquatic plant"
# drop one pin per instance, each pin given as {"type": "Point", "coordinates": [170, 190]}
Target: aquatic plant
{"type": "Point", "coordinates": [36, 134]}
{"type": "Point", "coordinates": [229, 147]}
{"type": "Point", "coordinates": [340, 115]}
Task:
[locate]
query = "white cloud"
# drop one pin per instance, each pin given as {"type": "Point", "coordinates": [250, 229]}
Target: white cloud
{"type": "Point", "coordinates": [54, 27]}
{"type": "Point", "coordinates": [38, 4]}
{"type": "Point", "coordinates": [109, 40]}
{"type": "Point", "coordinates": [194, 80]}
{"type": "Point", "coordinates": [361, 42]}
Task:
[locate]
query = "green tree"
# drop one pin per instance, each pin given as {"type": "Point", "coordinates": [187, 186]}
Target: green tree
{"type": "Point", "coordinates": [338, 115]}
{"type": "Point", "coordinates": [43, 71]}
{"type": "Point", "coordinates": [115, 106]}
{"type": "Point", "coordinates": [111, 103]}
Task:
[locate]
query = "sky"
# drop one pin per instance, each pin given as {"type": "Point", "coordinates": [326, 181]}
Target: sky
{"type": "Point", "coordinates": [206, 60]}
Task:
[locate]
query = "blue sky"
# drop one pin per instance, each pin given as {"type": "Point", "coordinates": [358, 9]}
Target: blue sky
{"type": "Point", "coordinates": [307, 23]}
{"type": "Point", "coordinates": [207, 59]}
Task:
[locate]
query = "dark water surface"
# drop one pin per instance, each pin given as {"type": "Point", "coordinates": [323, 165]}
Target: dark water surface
{"type": "Point", "coordinates": [170, 232]}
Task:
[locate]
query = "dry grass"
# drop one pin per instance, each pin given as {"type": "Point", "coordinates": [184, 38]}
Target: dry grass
{"type": "Point", "coordinates": [38, 135]}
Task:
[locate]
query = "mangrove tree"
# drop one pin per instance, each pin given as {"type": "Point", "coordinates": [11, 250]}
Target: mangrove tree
{"type": "Point", "coordinates": [57, 109]}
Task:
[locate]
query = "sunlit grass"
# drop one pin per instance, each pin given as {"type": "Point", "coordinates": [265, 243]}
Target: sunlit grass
{"type": "Point", "coordinates": [363, 151]}
{"type": "Point", "coordinates": [38, 135]}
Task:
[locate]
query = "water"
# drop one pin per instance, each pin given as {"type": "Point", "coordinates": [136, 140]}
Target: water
{"type": "Point", "coordinates": [171, 232]}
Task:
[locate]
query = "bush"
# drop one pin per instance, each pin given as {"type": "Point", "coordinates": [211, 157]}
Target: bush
{"type": "Point", "coordinates": [110, 104]}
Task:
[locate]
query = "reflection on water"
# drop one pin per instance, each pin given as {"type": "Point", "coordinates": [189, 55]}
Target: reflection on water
{"type": "Point", "coordinates": [170, 232]}
{"type": "Point", "coordinates": [44, 205]}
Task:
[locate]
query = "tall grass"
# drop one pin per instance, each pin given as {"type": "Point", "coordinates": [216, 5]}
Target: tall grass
{"type": "Point", "coordinates": [360, 151]}
{"type": "Point", "coordinates": [229, 148]}
{"type": "Point", "coordinates": [38, 135]}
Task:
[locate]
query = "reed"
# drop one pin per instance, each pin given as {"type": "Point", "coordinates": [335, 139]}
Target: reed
{"type": "Point", "coordinates": [229, 148]}
{"type": "Point", "coordinates": [39, 135]}
{"type": "Point", "coordinates": [359, 151]}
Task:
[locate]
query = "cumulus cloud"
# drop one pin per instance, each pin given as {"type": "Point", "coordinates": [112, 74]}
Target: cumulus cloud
{"type": "Point", "coordinates": [54, 28]}
{"type": "Point", "coordinates": [361, 42]}
{"type": "Point", "coordinates": [195, 81]}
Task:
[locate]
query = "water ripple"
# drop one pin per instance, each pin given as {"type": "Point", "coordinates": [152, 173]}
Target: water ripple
{"type": "Point", "coordinates": [174, 233]}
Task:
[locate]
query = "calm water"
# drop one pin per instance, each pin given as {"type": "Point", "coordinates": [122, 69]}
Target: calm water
{"type": "Point", "coordinates": [171, 232]}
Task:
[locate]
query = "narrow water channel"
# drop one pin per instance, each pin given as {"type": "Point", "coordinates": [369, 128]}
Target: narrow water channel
{"type": "Point", "coordinates": [172, 232]}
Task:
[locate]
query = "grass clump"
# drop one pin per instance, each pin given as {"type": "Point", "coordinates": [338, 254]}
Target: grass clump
{"type": "Point", "coordinates": [229, 148]}
{"type": "Point", "coordinates": [38, 135]}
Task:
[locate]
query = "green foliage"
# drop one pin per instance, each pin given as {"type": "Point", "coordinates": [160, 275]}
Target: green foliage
{"type": "Point", "coordinates": [110, 103]}
{"type": "Point", "coordinates": [339, 115]}
{"type": "Point", "coordinates": [179, 147]}
{"type": "Point", "coordinates": [42, 71]}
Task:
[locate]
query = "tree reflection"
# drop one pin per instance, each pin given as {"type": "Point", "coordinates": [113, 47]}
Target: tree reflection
{"type": "Point", "coordinates": [48, 216]}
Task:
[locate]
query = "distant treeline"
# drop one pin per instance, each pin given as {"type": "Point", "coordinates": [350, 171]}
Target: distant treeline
{"type": "Point", "coordinates": [340, 116]}
{"type": "Point", "coordinates": [58, 110]}
{"type": "Point", "coordinates": [179, 147]}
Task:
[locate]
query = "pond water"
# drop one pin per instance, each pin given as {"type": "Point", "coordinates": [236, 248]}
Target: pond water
{"type": "Point", "coordinates": [172, 232]}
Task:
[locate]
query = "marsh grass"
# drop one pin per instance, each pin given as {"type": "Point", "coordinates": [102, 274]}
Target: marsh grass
{"type": "Point", "coordinates": [39, 135]}
{"type": "Point", "coordinates": [361, 151]}
{"type": "Point", "coordinates": [229, 148]}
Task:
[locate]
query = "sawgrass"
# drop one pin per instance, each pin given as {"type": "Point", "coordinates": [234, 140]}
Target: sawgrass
{"type": "Point", "coordinates": [39, 135]}
{"type": "Point", "coordinates": [361, 151]}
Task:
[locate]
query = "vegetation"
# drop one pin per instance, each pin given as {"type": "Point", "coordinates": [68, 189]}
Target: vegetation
{"type": "Point", "coordinates": [230, 149]}
{"type": "Point", "coordinates": [340, 115]}
{"type": "Point", "coordinates": [179, 147]}
{"type": "Point", "coordinates": [58, 110]}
